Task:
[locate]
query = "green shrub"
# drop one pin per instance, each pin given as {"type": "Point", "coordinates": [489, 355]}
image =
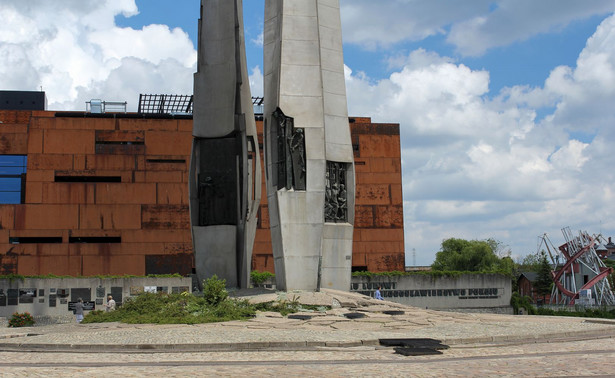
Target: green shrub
{"type": "Point", "coordinates": [260, 277]}
{"type": "Point", "coordinates": [517, 302]}
{"type": "Point", "coordinates": [21, 320]}
{"type": "Point", "coordinates": [214, 290]}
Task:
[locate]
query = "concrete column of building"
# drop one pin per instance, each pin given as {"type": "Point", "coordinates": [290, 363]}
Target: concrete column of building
{"type": "Point", "coordinates": [225, 178]}
{"type": "Point", "coordinates": [309, 158]}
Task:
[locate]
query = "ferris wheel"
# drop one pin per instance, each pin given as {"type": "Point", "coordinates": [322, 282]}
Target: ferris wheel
{"type": "Point", "coordinates": [579, 275]}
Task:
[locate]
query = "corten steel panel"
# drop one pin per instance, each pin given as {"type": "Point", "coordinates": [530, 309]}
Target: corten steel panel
{"type": "Point", "coordinates": [36, 233]}
{"type": "Point", "coordinates": [109, 217]}
{"type": "Point", "coordinates": [396, 194]}
{"type": "Point", "coordinates": [120, 149]}
{"type": "Point", "coordinates": [164, 176]}
{"type": "Point", "coordinates": [166, 163]}
{"type": "Point", "coordinates": [166, 143]}
{"type": "Point", "coordinates": [4, 236]}
{"type": "Point", "coordinates": [44, 161]}
{"type": "Point", "coordinates": [111, 162]}
{"type": "Point", "coordinates": [177, 248]}
{"type": "Point", "coordinates": [184, 125]}
{"type": "Point", "coordinates": [52, 249]}
{"type": "Point", "coordinates": [15, 116]}
{"type": "Point", "coordinates": [47, 217]}
{"type": "Point", "coordinates": [79, 162]}
{"type": "Point", "coordinates": [40, 175]}
{"type": "Point", "coordinates": [43, 265]}
{"type": "Point", "coordinates": [94, 249]}
{"type": "Point", "coordinates": [379, 145]}
{"type": "Point", "coordinates": [68, 142]}
{"type": "Point", "coordinates": [385, 165]}
{"type": "Point", "coordinates": [156, 236]}
{"type": "Point", "coordinates": [148, 124]}
{"type": "Point", "coordinates": [388, 261]}
{"type": "Point", "coordinates": [363, 216]}
{"type": "Point", "coordinates": [388, 235]}
{"type": "Point", "coordinates": [13, 128]}
{"type": "Point", "coordinates": [13, 144]}
{"type": "Point", "coordinates": [161, 264]}
{"type": "Point", "coordinates": [165, 217]}
{"type": "Point", "coordinates": [96, 265]}
{"type": "Point", "coordinates": [120, 136]}
{"type": "Point", "coordinates": [125, 193]}
{"type": "Point", "coordinates": [67, 193]}
{"type": "Point", "coordinates": [130, 264]}
{"type": "Point", "coordinates": [34, 192]}
{"type": "Point", "coordinates": [373, 194]}
{"type": "Point", "coordinates": [68, 123]}
{"type": "Point", "coordinates": [8, 264]}
{"type": "Point", "coordinates": [18, 249]}
{"type": "Point", "coordinates": [172, 194]}
{"type": "Point", "coordinates": [379, 178]}
{"type": "Point", "coordinates": [389, 216]}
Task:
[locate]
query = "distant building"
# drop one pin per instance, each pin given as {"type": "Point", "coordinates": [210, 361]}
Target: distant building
{"type": "Point", "coordinates": [84, 193]}
{"type": "Point", "coordinates": [525, 282]}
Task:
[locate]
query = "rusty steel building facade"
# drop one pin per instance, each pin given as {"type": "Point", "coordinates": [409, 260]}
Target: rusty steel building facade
{"type": "Point", "coordinates": [107, 194]}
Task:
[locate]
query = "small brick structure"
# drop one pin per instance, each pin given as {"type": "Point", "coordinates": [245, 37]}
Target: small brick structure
{"type": "Point", "coordinates": [107, 194]}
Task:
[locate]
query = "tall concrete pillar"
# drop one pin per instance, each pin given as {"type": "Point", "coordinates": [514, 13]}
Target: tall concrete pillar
{"type": "Point", "coordinates": [308, 149]}
{"type": "Point", "coordinates": [225, 174]}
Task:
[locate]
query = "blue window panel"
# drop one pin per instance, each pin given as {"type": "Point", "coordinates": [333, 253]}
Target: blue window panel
{"type": "Point", "coordinates": [11, 169]}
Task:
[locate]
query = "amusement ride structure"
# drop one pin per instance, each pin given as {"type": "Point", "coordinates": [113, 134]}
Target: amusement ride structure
{"type": "Point", "coordinates": [578, 273]}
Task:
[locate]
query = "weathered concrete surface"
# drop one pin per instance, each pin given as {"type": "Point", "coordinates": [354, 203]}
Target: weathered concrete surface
{"type": "Point", "coordinates": [304, 78]}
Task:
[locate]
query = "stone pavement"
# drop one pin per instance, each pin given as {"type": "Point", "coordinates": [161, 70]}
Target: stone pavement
{"type": "Point", "coordinates": [328, 344]}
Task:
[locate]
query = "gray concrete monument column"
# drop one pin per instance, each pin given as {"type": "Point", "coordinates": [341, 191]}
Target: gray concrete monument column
{"type": "Point", "coordinates": [225, 173]}
{"type": "Point", "coordinates": [308, 149]}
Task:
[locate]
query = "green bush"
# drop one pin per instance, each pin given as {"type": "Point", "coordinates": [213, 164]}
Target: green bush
{"type": "Point", "coordinates": [260, 277]}
{"type": "Point", "coordinates": [517, 302]}
{"type": "Point", "coordinates": [214, 290]}
{"type": "Point", "coordinates": [21, 320]}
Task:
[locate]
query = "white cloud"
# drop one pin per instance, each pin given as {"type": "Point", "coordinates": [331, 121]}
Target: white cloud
{"type": "Point", "coordinates": [75, 52]}
{"type": "Point", "coordinates": [471, 26]}
{"type": "Point", "coordinates": [477, 166]}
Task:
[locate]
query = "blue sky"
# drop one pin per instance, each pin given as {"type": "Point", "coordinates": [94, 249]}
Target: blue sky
{"type": "Point", "coordinates": [505, 106]}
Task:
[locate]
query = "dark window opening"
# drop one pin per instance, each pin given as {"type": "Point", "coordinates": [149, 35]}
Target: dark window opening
{"type": "Point", "coordinates": [359, 163]}
{"type": "Point", "coordinates": [35, 239]}
{"type": "Point", "coordinates": [88, 179]}
{"type": "Point", "coordinates": [359, 269]}
{"type": "Point", "coordinates": [585, 279]}
{"type": "Point", "coordinates": [13, 179]}
{"type": "Point", "coordinates": [95, 239]}
{"type": "Point", "coordinates": [121, 142]}
{"type": "Point", "coordinates": [172, 161]}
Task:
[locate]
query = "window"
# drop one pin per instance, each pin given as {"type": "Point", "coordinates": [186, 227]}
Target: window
{"type": "Point", "coordinates": [12, 178]}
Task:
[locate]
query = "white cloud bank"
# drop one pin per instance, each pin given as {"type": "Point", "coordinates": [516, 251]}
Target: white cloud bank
{"type": "Point", "coordinates": [75, 52]}
{"type": "Point", "coordinates": [478, 166]}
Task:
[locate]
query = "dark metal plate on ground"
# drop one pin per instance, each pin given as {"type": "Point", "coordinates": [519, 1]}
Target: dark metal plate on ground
{"type": "Point", "coordinates": [414, 343]}
{"type": "Point", "coordinates": [393, 312]}
{"type": "Point", "coordinates": [300, 317]}
{"type": "Point", "coordinates": [416, 351]}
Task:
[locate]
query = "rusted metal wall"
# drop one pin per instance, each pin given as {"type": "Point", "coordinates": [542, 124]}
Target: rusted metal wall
{"type": "Point", "coordinates": [126, 179]}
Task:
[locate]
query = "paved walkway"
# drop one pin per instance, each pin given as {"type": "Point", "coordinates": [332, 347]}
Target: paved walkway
{"type": "Point", "coordinates": [327, 344]}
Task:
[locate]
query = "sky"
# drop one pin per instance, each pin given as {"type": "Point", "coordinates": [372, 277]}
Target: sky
{"type": "Point", "coordinates": [506, 107]}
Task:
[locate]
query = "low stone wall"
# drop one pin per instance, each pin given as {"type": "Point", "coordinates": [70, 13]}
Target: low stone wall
{"type": "Point", "coordinates": [49, 298]}
{"type": "Point", "coordinates": [467, 292]}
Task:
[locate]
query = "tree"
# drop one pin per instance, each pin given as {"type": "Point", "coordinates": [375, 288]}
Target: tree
{"type": "Point", "coordinates": [544, 280]}
{"type": "Point", "coordinates": [466, 255]}
{"type": "Point", "coordinates": [531, 262]}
